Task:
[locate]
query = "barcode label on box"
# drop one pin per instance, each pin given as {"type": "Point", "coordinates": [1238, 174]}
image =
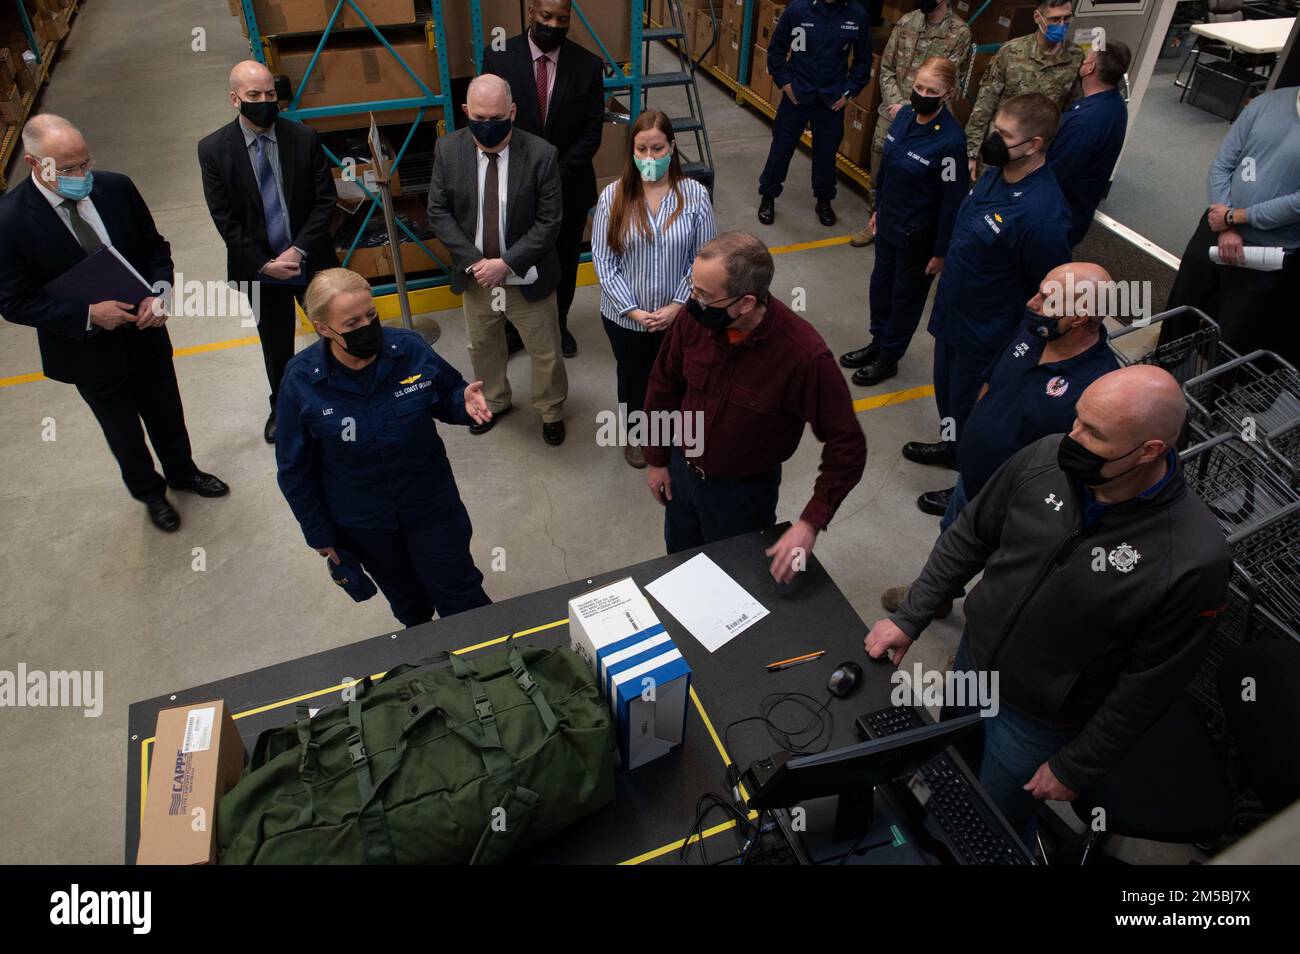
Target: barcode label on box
{"type": "Point", "coordinates": [198, 729]}
{"type": "Point", "coordinates": [1004, 21]}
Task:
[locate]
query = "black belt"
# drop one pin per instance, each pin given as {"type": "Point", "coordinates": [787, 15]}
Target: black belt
{"type": "Point", "coordinates": [699, 472]}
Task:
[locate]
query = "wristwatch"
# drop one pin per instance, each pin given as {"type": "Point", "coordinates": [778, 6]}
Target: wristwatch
{"type": "Point", "coordinates": [1228, 218]}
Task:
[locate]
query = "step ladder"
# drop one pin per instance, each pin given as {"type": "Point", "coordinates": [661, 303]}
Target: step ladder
{"type": "Point", "coordinates": [696, 163]}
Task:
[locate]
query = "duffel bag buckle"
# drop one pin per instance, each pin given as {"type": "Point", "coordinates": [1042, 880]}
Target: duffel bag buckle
{"type": "Point", "coordinates": [485, 711]}
{"type": "Point", "coordinates": [357, 749]}
{"type": "Point", "coordinates": [526, 682]}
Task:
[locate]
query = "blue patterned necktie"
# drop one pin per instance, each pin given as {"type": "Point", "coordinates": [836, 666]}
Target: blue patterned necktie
{"type": "Point", "coordinates": [277, 227]}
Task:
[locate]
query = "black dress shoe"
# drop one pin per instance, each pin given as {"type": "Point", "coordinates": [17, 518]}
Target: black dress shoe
{"type": "Point", "coordinates": [553, 433]}
{"type": "Point", "coordinates": [268, 432]}
{"type": "Point", "coordinates": [767, 209]}
{"type": "Point", "coordinates": [825, 214]}
{"type": "Point", "coordinates": [162, 516]}
{"type": "Point", "coordinates": [860, 358]}
{"type": "Point", "coordinates": [205, 485]}
{"type": "Point", "coordinates": [882, 369]}
{"type": "Point", "coordinates": [568, 344]}
{"type": "Point", "coordinates": [487, 426]}
{"type": "Point", "coordinates": [934, 502]}
{"type": "Point", "coordinates": [938, 454]}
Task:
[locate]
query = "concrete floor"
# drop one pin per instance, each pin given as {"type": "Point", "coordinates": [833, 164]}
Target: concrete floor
{"type": "Point", "coordinates": [88, 584]}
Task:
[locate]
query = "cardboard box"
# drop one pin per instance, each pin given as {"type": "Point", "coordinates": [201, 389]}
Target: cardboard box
{"type": "Point", "coordinates": [640, 672]}
{"type": "Point", "coordinates": [501, 20]}
{"type": "Point", "coordinates": [50, 27]}
{"type": "Point", "coordinates": [732, 13]}
{"type": "Point", "coordinates": [612, 22]}
{"type": "Point", "coordinates": [976, 76]}
{"type": "Point", "coordinates": [7, 81]}
{"type": "Point", "coordinates": [355, 68]}
{"type": "Point", "coordinates": [858, 127]}
{"type": "Point", "coordinates": [729, 52]}
{"type": "Point", "coordinates": [377, 262]}
{"type": "Point", "coordinates": [11, 105]}
{"type": "Point", "coordinates": [893, 10]}
{"type": "Point", "coordinates": [703, 39]}
{"type": "Point", "coordinates": [760, 81]}
{"type": "Point", "coordinates": [765, 19]}
{"type": "Point", "coordinates": [278, 17]}
{"type": "Point", "coordinates": [602, 182]}
{"type": "Point", "coordinates": [24, 75]}
{"type": "Point", "coordinates": [658, 12]}
{"type": "Point", "coordinates": [197, 757]}
{"type": "Point", "coordinates": [612, 152]}
{"type": "Point", "coordinates": [1004, 20]}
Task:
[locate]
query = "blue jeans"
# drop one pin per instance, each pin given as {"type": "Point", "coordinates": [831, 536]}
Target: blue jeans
{"type": "Point", "coordinates": [1005, 754]}
{"type": "Point", "coordinates": [955, 504]}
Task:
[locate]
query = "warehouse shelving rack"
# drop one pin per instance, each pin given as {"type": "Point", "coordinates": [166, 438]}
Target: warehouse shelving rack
{"type": "Point", "coordinates": [45, 55]}
{"type": "Point", "coordinates": [628, 76]}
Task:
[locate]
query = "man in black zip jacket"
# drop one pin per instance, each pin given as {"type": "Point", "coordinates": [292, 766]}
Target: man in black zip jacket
{"type": "Point", "coordinates": [1103, 575]}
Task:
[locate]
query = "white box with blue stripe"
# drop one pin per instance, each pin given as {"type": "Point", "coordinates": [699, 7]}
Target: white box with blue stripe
{"type": "Point", "coordinates": [639, 669]}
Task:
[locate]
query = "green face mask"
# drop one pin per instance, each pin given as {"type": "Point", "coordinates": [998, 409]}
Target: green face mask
{"type": "Point", "coordinates": [652, 170]}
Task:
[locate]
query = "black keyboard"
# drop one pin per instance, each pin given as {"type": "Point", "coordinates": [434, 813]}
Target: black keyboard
{"type": "Point", "coordinates": [967, 824]}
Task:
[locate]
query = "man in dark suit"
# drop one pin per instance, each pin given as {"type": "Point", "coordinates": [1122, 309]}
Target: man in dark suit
{"type": "Point", "coordinates": [118, 354]}
{"type": "Point", "coordinates": [494, 201]}
{"type": "Point", "coordinates": [271, 194]}
{"type": "Point", "coordinates": [559, 91]}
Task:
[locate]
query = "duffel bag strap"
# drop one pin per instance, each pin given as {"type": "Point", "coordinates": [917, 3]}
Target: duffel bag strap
{"type": "Point", "coordinates": [498, 762]}
{"type": "Point", "coordinates": [531, 689]}
{"type": "Point", "coordinates": [374, 829]}
{"type": "Point", "coordinates": [494, 845]}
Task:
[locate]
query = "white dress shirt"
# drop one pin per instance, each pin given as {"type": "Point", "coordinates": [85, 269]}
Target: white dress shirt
{"type": "Point", "coordinates": [85, 208]}
{"type": "Point", "coordinates": [503, 178]}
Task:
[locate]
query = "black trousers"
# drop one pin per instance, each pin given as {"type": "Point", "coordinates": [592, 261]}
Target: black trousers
{"type": "Point", "coordinates": [634, 357]}
{"type": "Point", "coordinates": [277, 324]}
{"type": "Point", "coordinates": [787, 129]}
{"type": "Point", "coordinates": [144, 390]}
{"type": "Point", "coordinates": [568, 246]}
{"type": "Point", "coordinates": [705, 511]}
{"type": "Point", "coordinates": [1254, 309]}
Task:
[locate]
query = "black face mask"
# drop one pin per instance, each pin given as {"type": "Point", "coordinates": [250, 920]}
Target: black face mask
{"type": "Point", "coordinates": [548, 38]}
{"type": "Point", "coordinates": [1043, 326]}
{"type": "Point", "coordinates": [1085, 466]}
{"type": "Point", "coordinates": [995, 151]}
{"type": "Point", "coordinates": [714, 317]}
{"type": "Point", "coordinates": [928, 6]}
{"type": "Point", "coordinates": [364, 342]}
{"type": "Point", "coordinates": [261, 115]}
{"type": "Point", "coordinates": [490, 132]}
{"type": "Point", "coordinates": [925, 105]}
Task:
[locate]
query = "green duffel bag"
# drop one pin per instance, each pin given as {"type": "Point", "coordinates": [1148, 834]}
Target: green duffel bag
{"type": "Point", "coordinates": [441, 762]}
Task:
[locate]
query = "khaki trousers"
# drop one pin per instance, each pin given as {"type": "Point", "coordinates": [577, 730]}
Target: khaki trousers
{"type": "Point", "coordinates": [538, 323]}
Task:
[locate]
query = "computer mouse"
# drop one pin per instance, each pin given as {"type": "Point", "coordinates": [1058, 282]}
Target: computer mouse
{"type": "Point", "coordinates": [844, 680]}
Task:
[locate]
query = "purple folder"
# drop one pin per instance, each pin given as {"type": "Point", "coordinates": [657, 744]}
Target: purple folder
{"type": "Point", "coordinates": [103, 276]}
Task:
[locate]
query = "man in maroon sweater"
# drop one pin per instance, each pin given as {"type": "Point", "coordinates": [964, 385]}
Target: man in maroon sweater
{"type": "Point", "coordinates": [748, 373]}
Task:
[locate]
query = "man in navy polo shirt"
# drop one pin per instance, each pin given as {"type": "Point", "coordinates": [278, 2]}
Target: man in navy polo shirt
{"type": "Point", "coordinates": [1087, 146]}
{"type": "Point", "coordinates": [1032, 388]}
{"type": "Point", "coordinates": [1011, 230]}
{"type": "Point", "coordinates": [808, 57]}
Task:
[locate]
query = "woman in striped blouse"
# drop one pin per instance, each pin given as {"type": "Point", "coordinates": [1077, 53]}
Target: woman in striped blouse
{"type": "Point", "coordinates": [648, 226]}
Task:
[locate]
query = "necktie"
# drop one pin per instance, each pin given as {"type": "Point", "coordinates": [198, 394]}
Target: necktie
{"type": "Point", "coordinates": [491, 209]}
{"type": "Point", "coordinates": [541, 88]}
{"type": "Point", "coordinates": [277, 226]}
{"type": "Point", "coordinates": [86, 235]}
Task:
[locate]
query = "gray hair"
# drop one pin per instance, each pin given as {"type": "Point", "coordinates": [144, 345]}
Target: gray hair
{"type": "Point", "coordinates": [748, 263]}
{"type": "Point", "coordinates": [38, 130]}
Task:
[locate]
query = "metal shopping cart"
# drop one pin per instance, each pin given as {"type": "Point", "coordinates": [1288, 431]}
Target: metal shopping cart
{"type": "Point", "coordinates": [1185, 357]}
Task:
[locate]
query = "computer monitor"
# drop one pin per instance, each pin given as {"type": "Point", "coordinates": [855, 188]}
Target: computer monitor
{"type": "Point", "coordinates": [852, 772]}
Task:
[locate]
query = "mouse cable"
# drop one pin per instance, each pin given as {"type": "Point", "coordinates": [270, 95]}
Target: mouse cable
{"type": "Point", "coordinates": [820, 723]}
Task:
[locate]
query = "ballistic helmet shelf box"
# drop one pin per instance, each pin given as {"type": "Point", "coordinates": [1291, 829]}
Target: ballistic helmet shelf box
{"type": "Point", "coordinates": [197, 757]}
{"type": "Point", "coordinates": [640, 671]}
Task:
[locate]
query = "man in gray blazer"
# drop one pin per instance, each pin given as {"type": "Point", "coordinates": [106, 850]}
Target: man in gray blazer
{"type": "Point", "coordinates": [495, 203]}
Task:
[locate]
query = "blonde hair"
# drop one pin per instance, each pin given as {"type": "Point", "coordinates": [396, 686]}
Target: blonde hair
{"type": "Point", "coordinates": [941, 67]}
{"type": "Point", "coordinates": [325, 286]}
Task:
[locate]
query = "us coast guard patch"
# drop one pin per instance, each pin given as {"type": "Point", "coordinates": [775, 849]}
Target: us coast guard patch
{"type": "Point", "coordinates": [1124, 558]}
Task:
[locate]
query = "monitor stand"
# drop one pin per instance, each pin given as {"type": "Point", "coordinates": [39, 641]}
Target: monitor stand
{"type": "Point", "coordinates": [864, 823]}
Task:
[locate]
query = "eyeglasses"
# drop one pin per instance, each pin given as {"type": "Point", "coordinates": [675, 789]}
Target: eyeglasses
{"type": "Point", "coordinates": [80, 169]}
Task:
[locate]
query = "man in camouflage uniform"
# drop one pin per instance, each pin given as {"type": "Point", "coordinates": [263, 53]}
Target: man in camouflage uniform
{"type": "Point", "coordinates": [1044, 61]}
{"type": "Point", "coordinates": [933, 30]}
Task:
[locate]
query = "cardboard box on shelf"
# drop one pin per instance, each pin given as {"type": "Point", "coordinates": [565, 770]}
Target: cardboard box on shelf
{"type": "Point", "coordinates": [760, 81]}
{"type": "Point", "coordinates": [732, 13]}
{"type": "Point", "coordinates": [858, 127]}
{"type": "Point", "coordinates": [11, 105]}
{"type": "Point", "coordinates": [703, 39]}
{"type": "Point", "coordinates": [612, 22]}
{"type": "Point", "coordinates": [197, 757]}
{"type": "Point", "coordinates": [16, 44]}
{"type": "Point", "coordinates": [602, 182]}
{"type": "Point", "coordinates": [893, 10]}
{"type": "Point", "coordinates": [869, 98]}
{"type": "Point", "coordinates": [278, 17]}
{"type": "Point", "coordinates": [1004, 20]}
{"type": "Point", "coordinates": [7, 79]}
{"type": "Point", "coordinates": [729, 52]}
{"type": "Point", "coordinates": [503, 18]}
{"type": "Point", "coordinates": [355, 68]}
{"type": "Point", "coordinates": [765, 18]}
{"type": "Point", "coordinates": [50, 27]}
{"type": "Point", "coordinates": [658, 11]}
{"type": "Point", "coordinates": [612, 152]}
{"type": "Point", "coordinates": [377, 262]}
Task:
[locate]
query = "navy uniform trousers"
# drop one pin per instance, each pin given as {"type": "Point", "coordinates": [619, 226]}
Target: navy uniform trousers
{"type": "Point", "coordinates": [827, 132]}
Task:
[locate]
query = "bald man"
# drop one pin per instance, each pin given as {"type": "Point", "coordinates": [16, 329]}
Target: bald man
{"type": "Point", "coordinates": [117, 353]}
{"type": "Point", "coordinates": [271, 194]}
{"type": "Point", "coordinates": [1103, 576]}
